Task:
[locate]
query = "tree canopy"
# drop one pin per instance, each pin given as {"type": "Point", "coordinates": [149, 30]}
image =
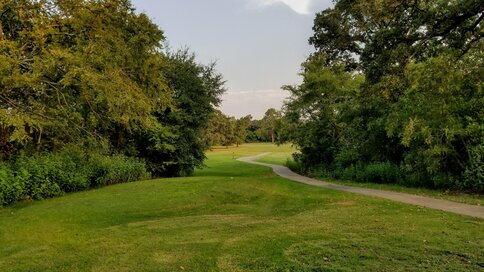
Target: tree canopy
{"type": "Point", "coordinates": [89, 97]}
{"type": "Point", "coordinates": [394, 88]}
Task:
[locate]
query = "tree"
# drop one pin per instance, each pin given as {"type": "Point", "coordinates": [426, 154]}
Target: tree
{"type": "Point", "coordinates": [221, 130]}
{"type": "Point", "coordinates": [269, 124]}
{"type": "Point", "coordinates": [252, 135]}
{"type": "Point", "coordinates": [381, 37]}
{"type": "Point", "coordinates": [241, 129]}
{"type": "Point", "coordinates": [315, 114]}
{"type": "Point", "coordinates": [439, 118]}
{"type": "Point", "coordinates": [77, 71]}
{"type": "Point", "coordinates": [94, 73]}
{"type": "Point", "coordinates": [180, 147]}
{"type": "Point", "coordinates": [394, 86]}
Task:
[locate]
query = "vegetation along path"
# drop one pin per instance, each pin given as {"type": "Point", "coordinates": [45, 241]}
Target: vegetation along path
{"type": "Point", "coordinates": [444, 205]}
{"type": "Point", "coordinates": [233, 216]}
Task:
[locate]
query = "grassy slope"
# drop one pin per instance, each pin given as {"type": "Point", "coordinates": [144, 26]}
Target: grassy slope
{"type": "Point", "coordinates": [282, 155]}
{"type": "Point", "coordinates": [233, 217]}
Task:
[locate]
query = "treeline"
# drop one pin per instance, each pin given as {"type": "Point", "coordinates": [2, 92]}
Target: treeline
{"type": "Point", "coordinates": [393, 94]}
{"type": "Point", "coordinates": [226, 131]}
{"type": "Point", "coordinates": [90, 97]}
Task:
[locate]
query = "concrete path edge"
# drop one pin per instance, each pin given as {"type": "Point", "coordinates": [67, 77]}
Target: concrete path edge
{"type": "Point", "coordinates": [428, 202]}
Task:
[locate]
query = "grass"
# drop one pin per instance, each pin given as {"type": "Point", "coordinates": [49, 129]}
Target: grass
{"type": "Point", "coordinates": [233, 216]}
{"type": "Point", "coordinates": [284, 155]}
{"type": "Point", "coordinates": [456, 196]}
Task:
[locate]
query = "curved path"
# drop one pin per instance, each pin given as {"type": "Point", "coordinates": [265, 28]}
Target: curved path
{"type": "Point", "coordinates": [444, 205]}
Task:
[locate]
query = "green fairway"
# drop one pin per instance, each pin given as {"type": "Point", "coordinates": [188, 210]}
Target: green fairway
{"type": "Point", "coordinates": [233, 216]}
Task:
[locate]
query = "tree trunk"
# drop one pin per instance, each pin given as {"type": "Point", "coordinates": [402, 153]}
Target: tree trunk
{"type": "Point", "coordinates": [39, 140]}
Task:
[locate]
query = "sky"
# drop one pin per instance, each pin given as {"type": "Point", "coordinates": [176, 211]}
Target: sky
{"type": "Point", "coordinates": [258, 45]}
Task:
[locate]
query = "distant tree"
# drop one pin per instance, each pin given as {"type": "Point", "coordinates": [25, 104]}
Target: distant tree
{"type": "Point", "coordinates": [221, 130]}
{"type": "Point", "coordinates": [241, 129]}
{"type": "Point", "coordinates": [252, 132]}
{"type": "Point", "coordinates": [269, 124]}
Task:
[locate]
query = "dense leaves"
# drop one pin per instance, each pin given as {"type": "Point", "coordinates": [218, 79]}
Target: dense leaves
{"type": "Point", "coordinates": [94, 74]}
{"type": "Point", "coordinates": [70, 170]}
{"type": "Point", "coordinates": [196, 91]}
{"type": "Point", "coordinates": [394, 89]}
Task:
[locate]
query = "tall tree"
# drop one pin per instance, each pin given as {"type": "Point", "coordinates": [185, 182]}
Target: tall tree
{"type": "Point", "coordinates": [241, 129]}
{"type": "Point", "coordinates": [417, 105]}
{"type": "Point", "coordinates": [196, 93]}
{"type": "Point", "coordinates": [221, 130]}
{"type": "Point", "coordinates": [94, 73]}
{"type": "Point", "coordinates": [270, 123]}
{"type": "Point", "coordinates": [74, 70]}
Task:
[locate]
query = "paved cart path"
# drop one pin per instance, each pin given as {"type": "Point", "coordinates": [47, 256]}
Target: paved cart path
{"type": "Point", "coordinates": [444, 205]}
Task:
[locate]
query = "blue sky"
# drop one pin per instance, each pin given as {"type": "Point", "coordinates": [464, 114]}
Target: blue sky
{"type": "Point", "coordinates": [258, 44]}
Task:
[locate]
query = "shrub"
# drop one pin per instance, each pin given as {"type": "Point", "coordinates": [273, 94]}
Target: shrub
{"type": "Point", "coordinates": [380, 172]}
{"type": "Point", "coordinates": [70, 170]}
{"type": "Point", "coordinates": [346, 159]}
{"type": "Point", "coordinates": [117, 169]}
{"type": "Point", "coordinates": [11, 189]}
{"type": "Point", "coordinates": [38, 175]}
{"type": "Point", "coordinates": [294, 166]}
{"type": "Point", "coordinates": [352, 172]}
{"type": "Point", "coordinates": [441, 181]}
{"type": "Point", "coordinates": [474, 173]}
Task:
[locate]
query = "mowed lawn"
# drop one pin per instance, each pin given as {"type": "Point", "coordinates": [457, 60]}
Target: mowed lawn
{"type": "Point", "coordinates": [233, 216]}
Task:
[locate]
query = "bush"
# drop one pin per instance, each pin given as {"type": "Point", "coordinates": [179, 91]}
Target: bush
{"type": "Point", "coordinates": [11, 189]}
{"type": "Point", "coordinates": [474, 173]}
{"type": "Point", "coordinates": [347, 159]}
{"type": "Point", "coordinates": [117, 169]}
{"type": "Point", "coordinates": [70, 170]}
{"type": "Point", "coordinates": [352, 172]}
{"type": "Point", "coordinates": [38, 175]}
{"type": "Point", "coordinates": [294, 166]}
{"type": "Point", "coordinates": [381, 172]}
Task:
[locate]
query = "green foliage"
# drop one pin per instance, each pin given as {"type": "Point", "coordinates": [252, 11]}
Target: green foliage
{"type": "Point", "coordinates": [39, 176]}
{"type": "Point", "coordinates": [265, 224]}
{"type": "Point", "coordinates": [94, 74]}
{"type": "Point", "coordinates": [393, 93]}
{"type": "Point", "coordinates": [221, 130]}
{"type": "Point", "coordinates": [270, 125]}
{"type": "Point", "coordinates": [103, 170]}
{"type": "Point", "coordinates": [225, 131]}
{"type": "Point", "coordinates": [77, 69]}
{"type": "Point", "coordinates": [70, 170]}
{"type": "Point", "coordinates": [196, 89]}
{"type": "Point", "coordinates": [241, 129]}
{"type": "Point", "coordinates": [313, 115]}
{"type": "Point", "coordinates": [11, 187]}
{"type": "Point", "coordinates": [252, 132]}
{"type": "Point", "coordinates": [382, 172]}
{"type": "Point", "coordinates": [474, 174]}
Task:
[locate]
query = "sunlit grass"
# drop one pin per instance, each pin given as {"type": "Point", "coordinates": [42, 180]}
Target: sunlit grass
{"type": "Point", "coordinates": [233, 216]}
{"type": "Point", "coordinates": [283, 156]}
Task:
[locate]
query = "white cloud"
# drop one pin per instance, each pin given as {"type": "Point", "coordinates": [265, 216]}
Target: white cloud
{"type": "Point", "coordinates": [255, 103]}
{"type": "Point", "coordinates": [299, 6]}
